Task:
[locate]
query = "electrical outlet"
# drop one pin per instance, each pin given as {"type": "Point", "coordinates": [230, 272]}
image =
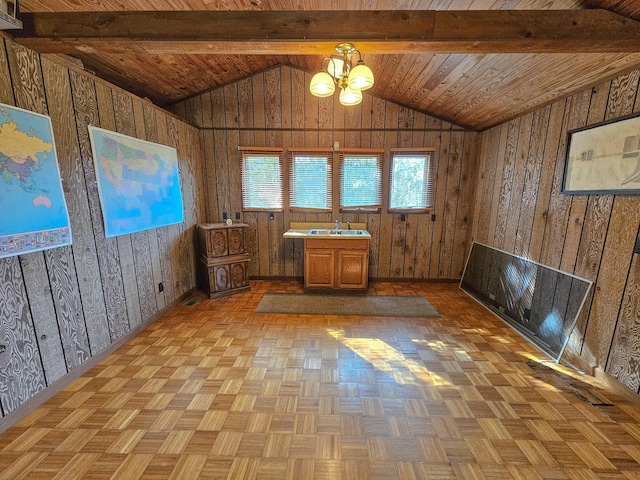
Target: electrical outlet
{"type": "Point", "coordinates": [160, 287]}
{"type": "Point", "coordinates": [271, 217]}
{"type": "Point", "coordinates": [237, 215]}
{"type": "Point", "coordinates": [433, 217]}
{"type": "Point", "coordinates": [403, 217]}
{"type": "Point", "coordinates": [224, 215]}
{"type": "Point", "coordinates": [637, 248]}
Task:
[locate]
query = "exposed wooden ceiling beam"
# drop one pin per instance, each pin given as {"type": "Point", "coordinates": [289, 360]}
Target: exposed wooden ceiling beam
{"type": "Point", "coordinates": [317, 32]}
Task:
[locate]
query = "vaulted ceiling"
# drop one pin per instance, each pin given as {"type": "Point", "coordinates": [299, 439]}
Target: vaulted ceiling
{"type": "Point", "coordinates": [475, 63]}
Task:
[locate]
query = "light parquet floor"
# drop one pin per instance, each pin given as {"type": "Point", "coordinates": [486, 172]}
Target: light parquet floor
{"type": "Point", "coordinates": [214, 391]}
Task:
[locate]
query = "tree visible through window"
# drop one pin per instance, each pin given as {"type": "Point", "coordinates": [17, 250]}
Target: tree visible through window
{"type": "Point", "coordinates": [262, 180]}
{"type": "Point", "coordinates": [360, 181]}
{"type": "Point", "coordinates": [310, 180]}
{"type": "Point", "coordinates": [411, 181]}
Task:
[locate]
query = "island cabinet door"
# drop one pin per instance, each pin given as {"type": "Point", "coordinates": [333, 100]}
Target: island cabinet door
{"type": "Point", "coordinates": [320, 269]}
{"type": "Point", "coordinates": [352, 269]}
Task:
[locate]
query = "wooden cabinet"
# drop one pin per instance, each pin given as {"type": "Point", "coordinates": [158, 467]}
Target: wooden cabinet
{"type": "Point", "coordinates": [223, 258]}
{"type": "Point", "coordinates": [336, 263]}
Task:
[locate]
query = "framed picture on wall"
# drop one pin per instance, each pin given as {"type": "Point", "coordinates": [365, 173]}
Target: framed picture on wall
{"type": "Point", "coordinates": [604, 158]}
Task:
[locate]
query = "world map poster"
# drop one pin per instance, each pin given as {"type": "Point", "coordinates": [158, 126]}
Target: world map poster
{"type": "Point", "coordinates": [33, 211]}
{"type": "Point", "coordinates": [138, 182]}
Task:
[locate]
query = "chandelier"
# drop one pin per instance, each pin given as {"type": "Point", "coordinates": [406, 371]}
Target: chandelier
{"type": "Point", "coordinates": [337, 70]}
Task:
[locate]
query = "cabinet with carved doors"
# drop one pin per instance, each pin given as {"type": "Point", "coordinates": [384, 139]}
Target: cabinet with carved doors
{"type": "Point", "coordinates": [223, 259]}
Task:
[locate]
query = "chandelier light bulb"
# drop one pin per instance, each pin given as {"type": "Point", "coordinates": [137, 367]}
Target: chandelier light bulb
{"type": "Point", "coordinates": [322, 85]}
{"type": "Point", "coordinates": [350, 96]}
{"type": "Point", "coordinates": [361, 77]}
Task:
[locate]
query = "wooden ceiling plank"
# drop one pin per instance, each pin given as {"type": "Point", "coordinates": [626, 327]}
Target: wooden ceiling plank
{"type": "Point", "coordinates": [296, 32]}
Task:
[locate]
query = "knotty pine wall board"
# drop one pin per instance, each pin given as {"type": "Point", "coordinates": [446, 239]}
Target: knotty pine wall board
{"type": "Point", "coordinates": [274, 108]}
{"type": "Point", "coordinates": [591, 236]}
{"type": "Point", "coordinates": [63, 306]}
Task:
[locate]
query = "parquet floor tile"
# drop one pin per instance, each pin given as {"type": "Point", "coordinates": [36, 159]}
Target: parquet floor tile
{"type": "Point", "coordinates": [214, 391]}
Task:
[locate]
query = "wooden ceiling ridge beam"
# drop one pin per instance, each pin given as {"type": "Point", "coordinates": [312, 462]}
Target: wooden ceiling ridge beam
{"type": "Point", "coordinates": [317, 32]}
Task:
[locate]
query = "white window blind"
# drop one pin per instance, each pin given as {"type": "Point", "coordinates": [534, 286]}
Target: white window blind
{"type": "Point", "coordinates": [360, 180]}
{"type": "Point", "coordinates": [262, 175]}
{"type": "Point", "coordinates": [310, 179]}
{"type": "Point", "coordinates": [411, 183]}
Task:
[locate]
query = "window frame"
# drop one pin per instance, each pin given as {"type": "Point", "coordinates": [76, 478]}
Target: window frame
{"type": "Point", "coordinates": [429, 185]}
{"type": "Point", "coordinates": [360, 152]}
{"type": "Point", "coordinates": [264, 152]}
{"type": "Point", "coordinates": [311, 152]}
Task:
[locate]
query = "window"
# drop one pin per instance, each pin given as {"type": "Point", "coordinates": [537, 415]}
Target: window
{"type": "Point", "coordinates": [361, 180]}
{"type": "Point", "coordinates": [310, 179]}
{"type": "Point", "coordinates": [411, 180]}
{"type": "Point", "coordinates": [261, 170]}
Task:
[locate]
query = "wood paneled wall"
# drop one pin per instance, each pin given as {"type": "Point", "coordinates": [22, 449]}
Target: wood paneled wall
{"type": "Point", "coordinates": [60, 307]}
{"type": "Point", "coordinates": [519, 208]}
{"type": "Point", "coordinates": [275, 108]}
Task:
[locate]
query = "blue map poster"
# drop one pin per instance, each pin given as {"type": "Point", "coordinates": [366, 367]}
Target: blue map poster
{"type": "Point", "coordinates": [138, 182]}
{"type": "Point", "coordinates": [33, 210]}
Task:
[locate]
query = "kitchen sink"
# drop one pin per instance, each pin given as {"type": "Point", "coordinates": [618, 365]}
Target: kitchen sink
{"type": "Point", "coordinates": [326, 231]}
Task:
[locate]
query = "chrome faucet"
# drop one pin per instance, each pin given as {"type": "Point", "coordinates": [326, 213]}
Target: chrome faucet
{"type": "Point", "coordinates": [348, 225]}
{"type": "Point", "coordinates": [338, 224]}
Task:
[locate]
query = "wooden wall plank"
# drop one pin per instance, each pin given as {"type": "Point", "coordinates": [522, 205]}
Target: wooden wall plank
{"type": "Point", "coordinates": [497, 186]}
{"type": "Point", "coordinates": [136, 245]}
{"type": "Point", "coordinates": [21, 371]}
{"type": "Point", "coordinates": [37, 298]}
{"type": "Point", "coordinates": [386, 219]}
{"type": "Point", "coordinates": [541, 215]}
{"type": "Point", "coordinates": [189, 176]}
{"type": "Point", "coordinates": [462, 245]}
{"type": "Point", "coordinates": [259, 120]}
{"type": "Point", "coordinates": [490, 142]}
{"type": "Point", "coordinates": [452, 194]}
{"type": "Point", "coordinates": [624, 358]}
{"type": "Point", "coordinates": [209, 166]}
{"type": "Point", "coordinates": [171, 232]}
{"type": "Point", "coordinates": [508, 171]}
{"type": "Point", "coordinates": [533, 170]}
{"type": "Point", "coordinates": [517, 186]}
{"type": "Point", "coordinates": [439, 193]}
{"type": "Point", "coordinates": [311, 115]}
{"type": "Point", "coordinates": [220, 152]}
{"type": "Point", "coordinates": [106, 112]}
{"type": "Point", "coordinates": [66, 298]}
{"type": "Point", "coordinates": [86, 112]}
{"type": "Point", "coordinates": [609, 287]}
{"type": "Point", "coordinates": [146, 129]}
{"type": "Point", "coordinates": [85, 260]}
{"type": "Point", "coordinates": [6, 92]}
{"type": "Point", "coordinates": [579, 109]}
{"type": "Point", "coordinates": [183, 240]}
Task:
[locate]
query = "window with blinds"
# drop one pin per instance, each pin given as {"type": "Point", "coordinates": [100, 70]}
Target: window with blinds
{"type": "Point", "coordinates": [411, 183]}
{"type": "Point", "coordinates": [262, 173]}
{"type": "Point", "coordinates": [361, 180]}
{"type": "Point", "coordinates": [310, 179]}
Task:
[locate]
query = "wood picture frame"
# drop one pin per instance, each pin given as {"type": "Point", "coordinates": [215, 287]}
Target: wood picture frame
{"type": "Point", "coordinates": [604, 158]}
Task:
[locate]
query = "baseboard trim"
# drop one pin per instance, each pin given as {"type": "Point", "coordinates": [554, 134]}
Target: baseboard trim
{"type": "Point", "coordinates": [34, 402]}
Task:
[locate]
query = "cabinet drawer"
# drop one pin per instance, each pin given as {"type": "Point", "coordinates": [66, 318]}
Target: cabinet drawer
{"type": "Point", "coordinates": [338, 243]}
